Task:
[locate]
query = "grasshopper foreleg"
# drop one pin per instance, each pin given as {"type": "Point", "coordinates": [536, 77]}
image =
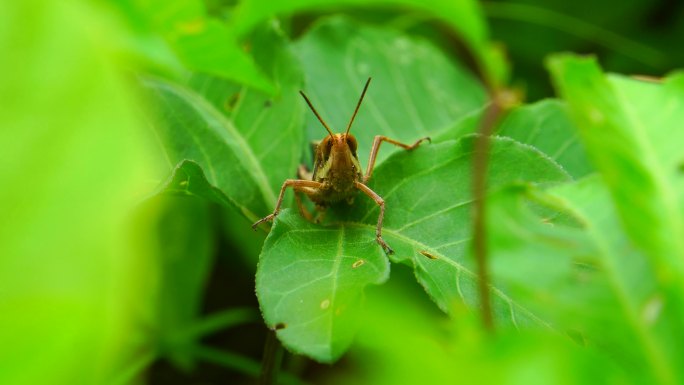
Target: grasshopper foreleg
{"type": "Point", "coordinates": [380, 202]}
{"type": "Point", "coordinates": [299, 185]}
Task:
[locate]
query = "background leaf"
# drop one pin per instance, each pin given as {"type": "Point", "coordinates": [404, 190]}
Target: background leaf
{"type": "Point", "coordinates": [416, 90]}
{"type": "Point", "coordinates": [194, 36]}
{"type": "Point", "coordinates": [191, 129]}
{"type": "Point", "coordinates": [464, 17]}
{"type": "Point", "coordinates": [270, 124]}
{"type": "Point", "coordinates": [184, 253]}
{"type": "Point", "coordinates": [547, 126]}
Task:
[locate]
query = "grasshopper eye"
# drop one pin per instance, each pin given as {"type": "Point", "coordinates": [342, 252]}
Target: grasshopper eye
{"type": "Point", "coordinates": [351, 142]}
{"type": "Point", "coordinates": [325, 147]}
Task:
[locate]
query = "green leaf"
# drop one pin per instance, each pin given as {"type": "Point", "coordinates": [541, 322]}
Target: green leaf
{"type": "Point", "coordinates": [271, 124]}
{"type": "Point", "coordinates": [464, 17]}
{"type": "Point", "coordinates": [595, 284]}
{"type": "Point", "coordinates": [401, 341]}
{"type": "Point", "coordinates": [428, 199]}
{"type": "Point", "coordinates": [244, 141]}
{"type": "Point", "coordinates": [192, 129]}
{"type": "Point", "coordinates": [546, 125]}
{"type": "Point", "coordinates": [209, 47]}
{"type": "Point", "coordinates": [189, 179]}
{"type": "Point", "coordinates": [73, 165]}
{"type": "Point", "coordinates": [184, 251]}
{"type": "Point", "coordinates": [631, 130]}
{"type": "Point", "coordinates": [202, 43]}
{"type": "Point", "coordinates": [416, 90]}
{"type": "Point", "coordinates": [310, 283]}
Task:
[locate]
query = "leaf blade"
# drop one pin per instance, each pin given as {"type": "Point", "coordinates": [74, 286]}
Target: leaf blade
{"type": "Point", "coordinates": [628, 127]}
{"type": "Point", "coordinates": [191, 129]}
{"type": "Point", "coordinates": [444, 234]}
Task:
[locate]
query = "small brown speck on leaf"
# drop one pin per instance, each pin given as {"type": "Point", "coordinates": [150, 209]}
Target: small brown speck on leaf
{"type": "Point", "coordinates": [427, 254]}
{"type": "Point", "coordinates": [231, 101]}
{"type": "Point", "coordinates": [280, 326]}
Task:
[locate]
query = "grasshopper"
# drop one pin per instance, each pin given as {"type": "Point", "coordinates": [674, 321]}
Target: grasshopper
{"type": "Point", "coordinates": [337, 173]}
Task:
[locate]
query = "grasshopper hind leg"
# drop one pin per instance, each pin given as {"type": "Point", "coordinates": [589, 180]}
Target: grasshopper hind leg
{"type": "Point", "coordinates": [302, 209]}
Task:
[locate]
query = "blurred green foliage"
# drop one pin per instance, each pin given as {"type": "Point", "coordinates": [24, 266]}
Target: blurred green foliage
{"type": "Point", "coordinates": [141, 138]}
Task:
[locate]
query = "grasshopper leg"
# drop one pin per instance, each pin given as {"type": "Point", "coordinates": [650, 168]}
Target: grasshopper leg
{"type": "Point", "coordinates": [376, 146]}
{"type": "Point", "coordinates": [381, 202]}
{"type": "Point", "coordinates": [297, 184]}
{"type": "Point", "coordinates": [302, 209]}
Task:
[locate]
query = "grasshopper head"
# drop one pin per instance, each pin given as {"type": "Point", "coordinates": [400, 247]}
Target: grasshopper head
{"type": "Point", "coordinates": [336, 159]}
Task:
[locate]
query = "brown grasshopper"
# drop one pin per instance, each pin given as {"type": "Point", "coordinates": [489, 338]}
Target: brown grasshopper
{"type": "Point", "coordinates": [337, 172]}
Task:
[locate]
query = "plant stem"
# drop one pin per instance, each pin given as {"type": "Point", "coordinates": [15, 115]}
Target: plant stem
{"type": "Point", "coordinates": [500, 102]}
{"type": "Point", "coordinates": [239, 363]}
{"type": "Point", "coordinates": [273, 355]}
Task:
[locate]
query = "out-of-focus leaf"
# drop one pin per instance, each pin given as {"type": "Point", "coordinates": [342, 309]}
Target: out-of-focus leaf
{"type": "Point", "coordinates": [463, 16]}
{"type": "Point", "coordinates": [428, 199]}
{"type": "Point", "coordinates": [416, 90]}
{"type": "Point", "coordinates": [401, 342]}
{"type": "Point", "coordinates": [632, 131]}
{"type": "Point", "coordinates": [546, 125]}
{"type": "Point", "coordinates": [184, 250]}
{"type": "Point", "coordinates": [73, 164]}
{"type": "Point", "coordinates": [202, 43]}
{"type": "Point", "coordinates": [595, 284]}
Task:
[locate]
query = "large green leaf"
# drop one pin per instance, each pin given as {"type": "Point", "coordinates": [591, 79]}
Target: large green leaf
{"type": "Point", "coordinates": [595, 284]}
{"type": "Point", "coordinates": [631, 130]}
{"type": "Point", "coordinates": [416, 90]}
{"type": "Point", "coordinates": [463, 16]}
{"type": "Point", "coordinates": [72, 166]}
{"type": "Point", "coordinates": [546, 125]}
{"type": "Point", "coordinates": [428, 199]}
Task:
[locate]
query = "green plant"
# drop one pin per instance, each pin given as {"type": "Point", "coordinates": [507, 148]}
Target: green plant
{"type": "Point", "coordinates": [578, 277]}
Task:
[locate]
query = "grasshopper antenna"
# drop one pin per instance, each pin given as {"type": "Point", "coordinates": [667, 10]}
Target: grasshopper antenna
{"type": "Point", "coordinates": [316, 113]}
{"type": "Point", "coordinates": [357, 106]}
